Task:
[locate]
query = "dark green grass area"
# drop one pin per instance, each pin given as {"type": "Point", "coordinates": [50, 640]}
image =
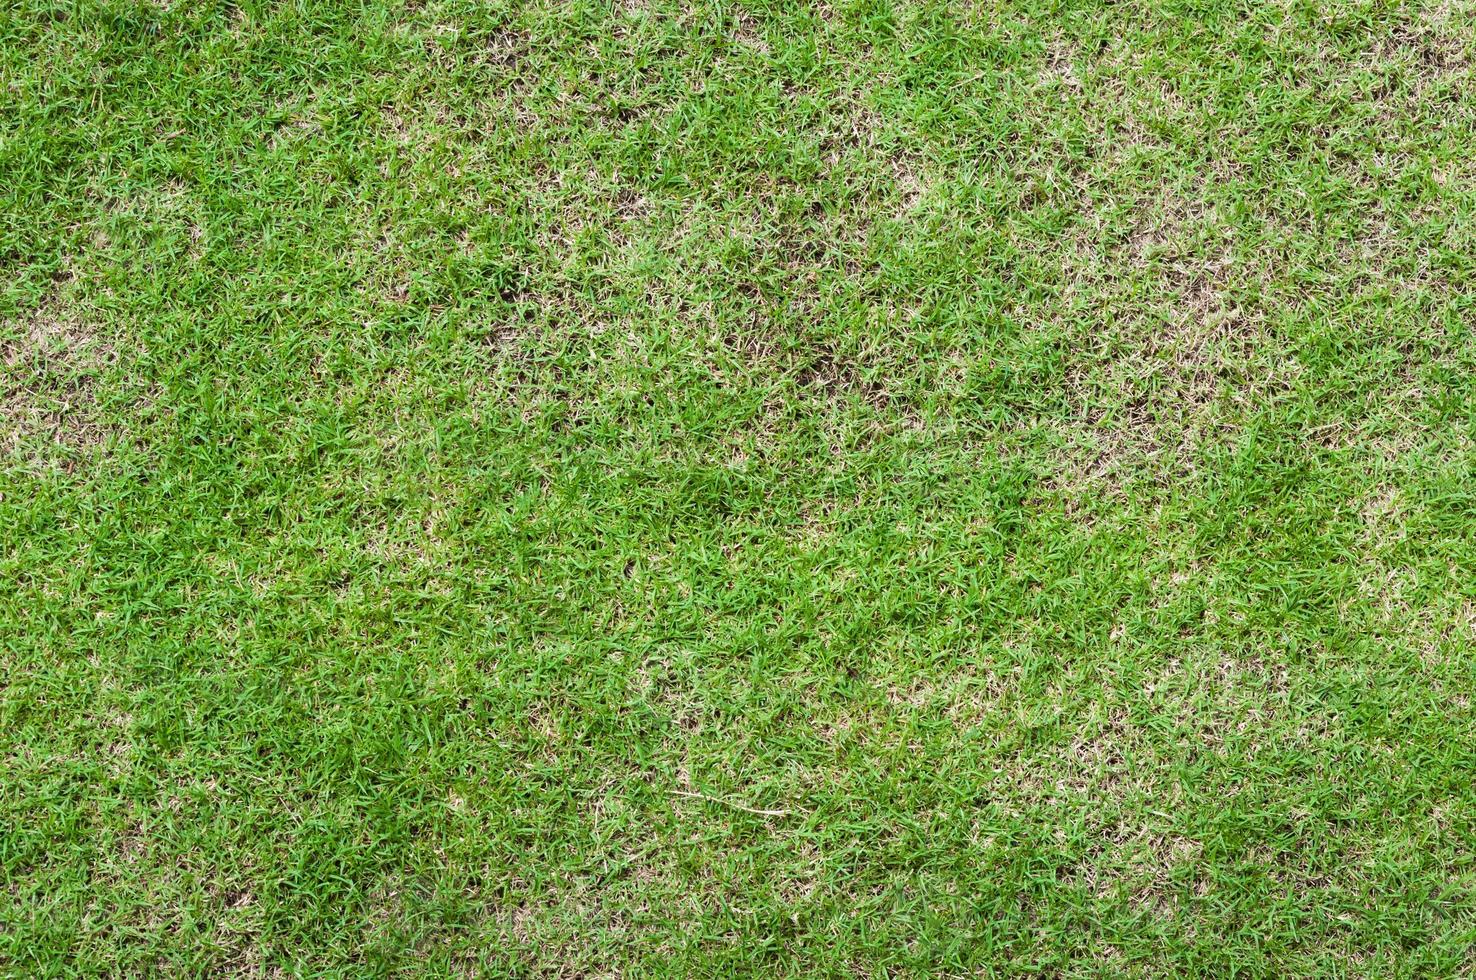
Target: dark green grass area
{"type": "Point", "coordinates": [459, 459]}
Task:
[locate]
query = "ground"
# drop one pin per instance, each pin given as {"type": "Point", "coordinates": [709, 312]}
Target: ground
{"type": "Point", "coordinates": [878, 488]}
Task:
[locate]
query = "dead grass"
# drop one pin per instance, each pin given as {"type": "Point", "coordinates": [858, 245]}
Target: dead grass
{"type": "Point", "coordinates": [1167, 365]}
{"type": "Point", "coordinates": [48, 394]}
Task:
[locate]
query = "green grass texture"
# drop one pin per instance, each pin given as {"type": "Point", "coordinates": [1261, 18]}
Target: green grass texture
{"type": "Point", "coordinates": [879, 489]}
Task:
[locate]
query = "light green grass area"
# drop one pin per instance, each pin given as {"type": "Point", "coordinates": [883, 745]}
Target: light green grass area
{"type": "Point", "coordinates": [459, 459]}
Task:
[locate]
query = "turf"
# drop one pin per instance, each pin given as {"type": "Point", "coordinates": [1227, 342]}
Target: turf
{"type": "Point", "coordinates": [880, 489]}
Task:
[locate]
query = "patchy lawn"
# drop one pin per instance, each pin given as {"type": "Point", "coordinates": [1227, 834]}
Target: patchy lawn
{"type": "Point", "coordinates": [738, 489]}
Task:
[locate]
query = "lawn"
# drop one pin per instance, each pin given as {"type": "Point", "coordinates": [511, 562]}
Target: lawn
{"type": "Point", "coordinates": [753, 489]}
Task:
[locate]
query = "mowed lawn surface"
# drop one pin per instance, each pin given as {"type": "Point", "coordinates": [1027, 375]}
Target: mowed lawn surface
{"type": "Point", "coordinates": [459, 460]}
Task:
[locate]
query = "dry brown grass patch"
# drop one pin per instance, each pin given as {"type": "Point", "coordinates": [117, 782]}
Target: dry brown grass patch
{"type": "Point", "coordinates": [1175, 351]}
{"type": "Point", "coordinates": [47, 391]}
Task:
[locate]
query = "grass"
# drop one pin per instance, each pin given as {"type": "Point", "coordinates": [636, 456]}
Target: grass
{"type": "Point", "coordinates": [459, 460]}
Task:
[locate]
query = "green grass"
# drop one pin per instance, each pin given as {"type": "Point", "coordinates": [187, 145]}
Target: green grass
{"type": "Point", "coordinates": [458, 458]}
